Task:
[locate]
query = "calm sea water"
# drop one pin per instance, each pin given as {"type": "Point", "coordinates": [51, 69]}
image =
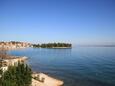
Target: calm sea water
{"type": "Point", "coordinates": [79, 66]}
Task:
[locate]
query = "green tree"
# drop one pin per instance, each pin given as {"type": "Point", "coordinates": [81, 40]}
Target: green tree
{"type": "Point", "coordinates": [16, 76]}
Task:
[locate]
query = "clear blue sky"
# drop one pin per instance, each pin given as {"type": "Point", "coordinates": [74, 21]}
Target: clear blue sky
{"type": "Point", "coordinates": [75, 21]}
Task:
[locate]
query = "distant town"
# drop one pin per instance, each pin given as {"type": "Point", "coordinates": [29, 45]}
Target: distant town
{"type": "Point", "coordinates": [14, 45]}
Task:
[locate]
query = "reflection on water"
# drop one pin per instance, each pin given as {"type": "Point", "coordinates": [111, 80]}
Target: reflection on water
{"type": "Point", "coordinates": [80, 66]}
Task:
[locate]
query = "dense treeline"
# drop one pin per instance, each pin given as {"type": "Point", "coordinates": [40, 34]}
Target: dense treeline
{"type": "Point", "coordinates": [16, 76]}
{"type": "Point", "coordinates": [53, 45]}
{"type": "Point", "coordinates": [36, 45]}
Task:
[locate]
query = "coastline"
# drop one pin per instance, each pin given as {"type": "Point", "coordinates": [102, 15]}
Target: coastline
{"type": "Point", "coordinates": [38, 79]}
{"type": "Point", "coordinates": [41, 79]}
{"type": "Point", "coordinates": [60, 48]}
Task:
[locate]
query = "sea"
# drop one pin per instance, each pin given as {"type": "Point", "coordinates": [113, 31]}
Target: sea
{"type": "Point", "coordinates": [78, 66]}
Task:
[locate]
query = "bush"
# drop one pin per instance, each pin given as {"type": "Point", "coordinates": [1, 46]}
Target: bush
{"type": "Point", "coordinates": [16, 76]}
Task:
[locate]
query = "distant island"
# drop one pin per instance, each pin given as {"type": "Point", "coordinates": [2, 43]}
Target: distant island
{"type": "Point", "coordinates": [17, 45]}
{"type": "Point", "coordinates": [53, 45]}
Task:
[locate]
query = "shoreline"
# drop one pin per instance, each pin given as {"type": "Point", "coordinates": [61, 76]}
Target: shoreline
{"type": "Point", "coordinates": [62, 47]}
{"type": "Point", "coordinates": [55, 47]}
{"type": "Point", "coordinates": [41, 79]}
{"type": "Point", "coordinates": [38, 79]}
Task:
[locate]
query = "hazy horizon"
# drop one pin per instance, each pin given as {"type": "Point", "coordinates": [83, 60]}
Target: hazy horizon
{"type": "Point", "coordinates": [82, 22]}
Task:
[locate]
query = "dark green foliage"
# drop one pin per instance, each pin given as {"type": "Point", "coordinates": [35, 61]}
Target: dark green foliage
{"type": "Point", "coordinates": [34, 45]}
{"type": "Point", "coordinates": [53, 45]}
{"type": "Point", "coordinates": [16, 76]}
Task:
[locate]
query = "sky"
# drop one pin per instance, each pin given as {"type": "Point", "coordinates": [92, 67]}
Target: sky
{"type": "Point", "coordinates": [72, 21]}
